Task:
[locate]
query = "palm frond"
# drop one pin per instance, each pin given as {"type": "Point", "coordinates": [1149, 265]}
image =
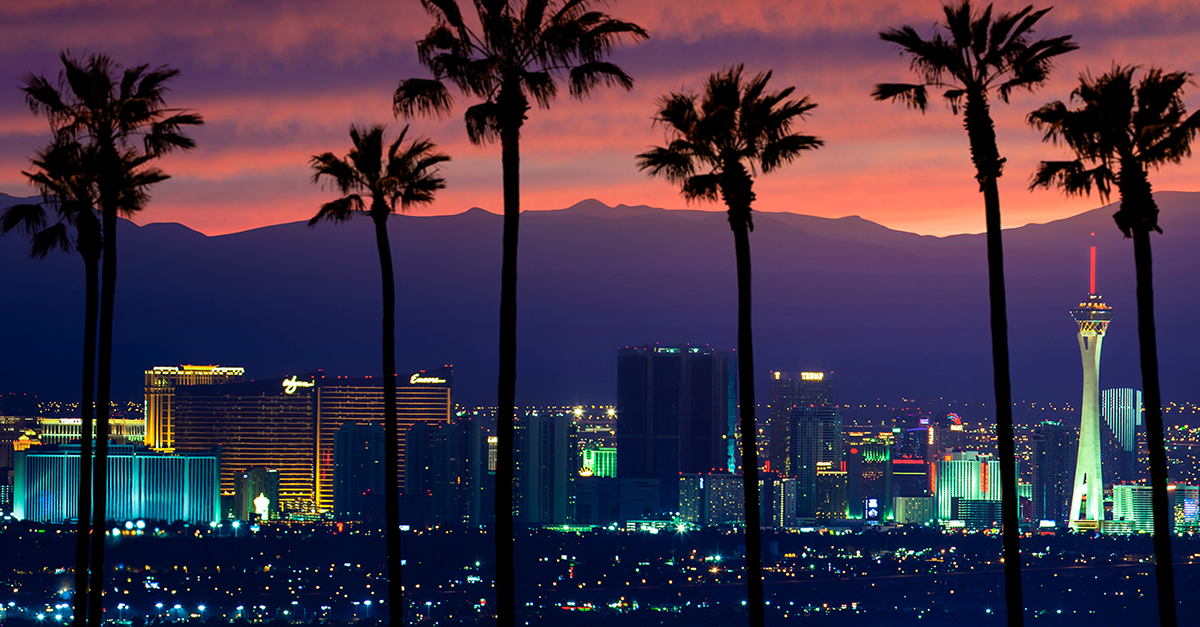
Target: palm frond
{"type": "Point", "coordinates": [586, 77]}
{"type": "Point", "coordinates": [48, 240]}
{"type": "Point", "coordinates": [422, 96]}
{"type": "Point", "coordinates": [914, 96]}
{"type": "Point", "coordinates": [24, 218]}
{"type": "Point", "coordinates": [483, 122]}
{"type": "Point", "coordinates": [340, 210]}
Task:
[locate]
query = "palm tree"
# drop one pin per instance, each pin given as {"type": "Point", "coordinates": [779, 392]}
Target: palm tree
{"type": "Point", "coordinates": [61, 176]}
{"type": "Point", "coordinates": [1120, 131]}
{"type": "Point", "coordinates": [408, 177]}
{"type": "Point", "coordinates": [520, 50]}
{"type": "Point", "coordinates": [122, 121]}
{"type": "Point", "coordinates": [716, 143]}
{"type": "Point", "coordinates": [982, 55]}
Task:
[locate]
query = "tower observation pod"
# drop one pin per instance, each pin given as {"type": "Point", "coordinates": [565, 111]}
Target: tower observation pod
{"type": "Point", "coordinates": [1087, 497]}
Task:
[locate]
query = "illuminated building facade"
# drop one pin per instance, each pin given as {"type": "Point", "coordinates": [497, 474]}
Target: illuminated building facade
{"type": "Point", "coordinates": [913, 510]}
{"type": "Point", "coordinates": [253, 423]}
{"type": "Point", "coordinates": [966, 475]}
{"type": "Point", "coordinates": [65, 430]}
{"type": "Point", "coordinates": [676, 413]}
{"type": "Point", "coordinates": [1087, 496]}
{"type": "Point", "coordinates": [869, 476]}
{"type": "Point", "coordinates": [723, 499]}
{"type": "Point", "coordinates": [142, 484]}
{"type": "Point", "coordinates": [829, 493]}
{"type": "Point", "coordinates": [423, 396]}
{"type": "Point", "coordinates": [791, 390]}
{"type": "Point", "coordinates": [1121, 409]}
{"type": "Point", "coordinates": [691, 498]}
{"type": "Point", "coordinates": [783, 503]}
{"type": "Point", "coordinates": [816, 438]}
{"type": "Point", "coordinates": [160, 393]}
{"type": "Point", "coordinates": [1131, 505]}
{"type": "Point", "coordinates": [600, 461]}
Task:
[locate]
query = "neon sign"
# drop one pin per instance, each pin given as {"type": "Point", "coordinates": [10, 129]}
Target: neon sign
{"type": "Point", "coordinates": [812, 376]}
{"type": "Point", "coordinates": [290, 385]}
{"type": "Point", "coordinates": [417, 378]}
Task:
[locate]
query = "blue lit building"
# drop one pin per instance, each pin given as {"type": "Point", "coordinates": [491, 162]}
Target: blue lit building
{"type": "Point", "coordinates": [141, 484]}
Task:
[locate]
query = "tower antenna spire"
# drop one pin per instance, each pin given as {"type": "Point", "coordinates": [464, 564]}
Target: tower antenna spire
{"type": "Point", "coordinates": [1093, 264]}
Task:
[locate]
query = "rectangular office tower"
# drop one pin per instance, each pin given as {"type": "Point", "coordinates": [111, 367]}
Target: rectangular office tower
{"type": "Point", "coordinates": [791, 390]}
{"type": "Point", "coordinates": [676, 413]}
{"type": "Point", "coordinates": [358, 472]}
{"type": "Point", "coordinates": [815, 443]}
{"type": "Point", "coordinates": [160, 396]}
{"type": "Point", "coordinates": [546, 465]}
{"type": "Point", "coordinates": [141, 484]}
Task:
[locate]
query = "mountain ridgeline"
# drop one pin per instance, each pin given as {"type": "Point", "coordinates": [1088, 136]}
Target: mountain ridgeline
{"type": "Point", "coordinates": [892, 314]}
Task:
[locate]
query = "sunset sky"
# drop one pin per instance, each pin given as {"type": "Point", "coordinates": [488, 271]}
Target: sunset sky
{"type": "Point", "coordinates": [280, 81]}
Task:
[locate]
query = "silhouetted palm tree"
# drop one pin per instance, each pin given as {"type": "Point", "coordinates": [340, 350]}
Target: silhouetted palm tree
{"type": "Point", "coordinates": [716, 141]}
{"type": "Point", "coordinates": [407, 177]}
{"type": "Point", "coordinates": [1120, 131]}
{"type": "Point", "coordinates": [982, 55]}
{"type": "Point", "coordinates": [119, 117]}
{"type": "Point", "coordinates": [519, 51]}
{"type": "Point", "coordinates": [61, 176]}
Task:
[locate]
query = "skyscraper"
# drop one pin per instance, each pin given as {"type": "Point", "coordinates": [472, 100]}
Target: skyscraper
{"type": "Point", "coordinates": [965, 476]}
{"type": "Point", "coordinates": [160, 397]}
{"type": "Point", "coordinates": [1087, 497]}
{"type": "Point", "coordinates": [676, 413]}
{"type": "Point", "coordinates": [790, 390]}
{"type": "Point", "coordinates": [547, 461]}
{"type": "Point", "coordinates": [1051, 461]}
{"type": "Point", "coordinates": [1121, 409]}
{"type": "Point", "coordinates": [358, 456]}
{"type": "Point", "coordinates": [816, 437]}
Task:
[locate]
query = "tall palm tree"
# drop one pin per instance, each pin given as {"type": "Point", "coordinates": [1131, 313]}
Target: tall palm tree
{"type": "Point", "coordinates": [980, 56]}
{"type": "Point", "coordinates": [407, 177]}
{"type": "Point", "coordinates": [518, 52]}
{"type": "Point", "coordinates": [1119, 132]}
{"type": "Point", "coordinates": [717, 140]}
{"type": "Point", "coordinates": [121, 118]}
{"type": "Point", "coordinates": [61, 176]}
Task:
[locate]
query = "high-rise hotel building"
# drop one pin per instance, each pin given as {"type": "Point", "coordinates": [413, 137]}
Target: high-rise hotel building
{"type": "Point", "coordinates": [290, 424]}
{"type": "Point", "coordinates": [160, 394]}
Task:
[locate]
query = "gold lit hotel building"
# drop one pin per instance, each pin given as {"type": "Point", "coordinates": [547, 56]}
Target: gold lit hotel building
{"type": "Point", "coordinates": [289, 424]}
{"type": "Point", "coordinates": [160, 393]}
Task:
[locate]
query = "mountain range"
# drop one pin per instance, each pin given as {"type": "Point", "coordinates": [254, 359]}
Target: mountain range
{"type": "Point", "coordinates": [892, 314]}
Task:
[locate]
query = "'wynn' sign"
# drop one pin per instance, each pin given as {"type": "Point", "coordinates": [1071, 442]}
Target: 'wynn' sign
{"type": "Point", "coordinates": [290, 385]}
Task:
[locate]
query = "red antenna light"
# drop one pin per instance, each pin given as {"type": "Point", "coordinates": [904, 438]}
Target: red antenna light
{"type": "Point", "coordinates": [1093, 263]}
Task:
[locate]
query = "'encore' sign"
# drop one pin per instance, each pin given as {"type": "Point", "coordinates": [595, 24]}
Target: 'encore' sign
{"type": "Point", "coordinates": [290, 385]}
{"type": "Point", "coordinates": [416, 378]}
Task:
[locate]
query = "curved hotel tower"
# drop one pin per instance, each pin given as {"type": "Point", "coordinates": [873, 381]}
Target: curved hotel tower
{"type": "Point", "coordinates": [1087, 497]}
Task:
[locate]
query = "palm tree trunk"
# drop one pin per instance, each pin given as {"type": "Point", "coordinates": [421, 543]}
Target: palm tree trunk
{"type": "Point", "coordinates": [391, 429]}
{"type": "Point", "coordinates": [1010, 505]}
{"type": "Point", "coordinates": [103, 385]}
{"type": "Point", "coordinates": [988, 166]}
{"type": "Point", "coordinates": [86, 407]}
{"type": "Point", "coordinates": [506, 387]}
{"type": "Point", "coordinates": [1163, 566]}
{"type": "Point", "coordinates": [754, 579]}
